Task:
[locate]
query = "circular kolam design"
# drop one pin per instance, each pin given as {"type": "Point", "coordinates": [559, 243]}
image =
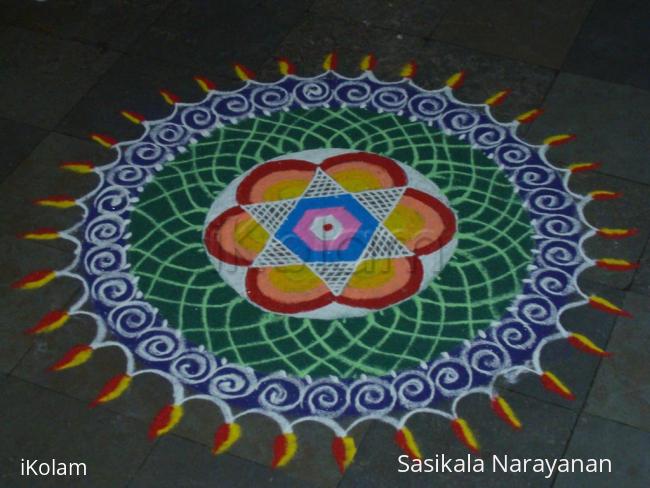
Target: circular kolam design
{"type": "Point", "coordinates": [328, 246]}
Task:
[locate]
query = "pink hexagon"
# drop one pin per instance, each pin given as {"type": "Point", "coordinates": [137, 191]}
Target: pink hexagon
{"type": "Point", "coordinates": [348, 222]}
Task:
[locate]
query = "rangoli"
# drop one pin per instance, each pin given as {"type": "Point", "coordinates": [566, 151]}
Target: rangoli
{"type": "Point", "coordinates": [329, 250]}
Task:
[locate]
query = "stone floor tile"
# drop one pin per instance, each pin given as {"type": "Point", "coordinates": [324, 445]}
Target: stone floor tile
{"type": "Point", "coordinates": [621, 390]}
{"type": "Point", "coordinates": [641, 280]}
{"type": "Point", "coordinates": [612, 44]}
{"type": "Point", "coordinates": [133, 83]}
{"type": "Point", "coordinates": [43, 77]}
{"type": "Point", "coordinates": [40, 424]}
{"type": "Point", "coordinates": [179, 462]}
{"type": "Point", "coordinates": [407, 16]}
{"type": "Point", "coordinates": [213, 35]}
{"type": "Point", "coordinates": [598, 438]}
{"type": "Point", "coordinates": [611, 122]}
{"type": "Point", "coordinates": [536, 32]}
{"type": "Point", "coordinates": [545, 433]}
{"type": "Point", "coordinates": [114, 24]}
{"type": "Point", "coordinates": [574, 368]}
{"type": "Point", "coordinates": [17, 141]}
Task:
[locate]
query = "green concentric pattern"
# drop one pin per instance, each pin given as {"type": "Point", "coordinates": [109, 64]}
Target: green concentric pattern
{"type": "Point", "coordinates": [479, 282]}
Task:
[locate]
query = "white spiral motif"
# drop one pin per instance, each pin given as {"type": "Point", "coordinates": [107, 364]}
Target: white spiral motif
{"type": "Point", "coordinates": [414, 389]}
{"type": "Point", "coordinates": [198, 118]}
{"type": "Point", "coordinates": [427, 106]}
{"type": "Point", "coordinates": [128, 176]}
{"type": "Point", "coordinates": [534, 177]}
{"type": "Point", "coordinates": [353, 93]}
{"type": "Point", "coordinates": [372, 395]}
{"type": "Point", "coordinates": [558, 226]}
{"type": "Point", "coordinates": [114, 199]}
{"type": "Point", "coordinates": [232, 381]}
{"type": "Point", "coordinates": [132, 319]}
{"type": "Point", "coordinates": [512, 155]}
{"type": "Point", "coordinates": [552, 282]}
{"type": "Point", "coordinates": [159, 345]}
{"type": "Point", "coordinates": [105, 229]}
{"type": "Point", "coordinates": [326, 398]}
{"type": "Point", "coordinates": [487, 136]}
{"type": "Point", "coordinates": [515, 335]}
{"type": "Point", "coordinates": [487, 357]}
{"type": "Point", "coordinates": [451, 376]}
{"type": "Point", "coordinates": [170, 134]}
{"type": "Point", "coordinates": [113, 288]}
{"type": "Point", "coordinates": [270, 97]}
{"type": "Point", "coordinates": [312, 93]}
{"type": "Point", "coordinates": [559, 253]}
{"type": "Point", "coordinates": [235, 105]}
{"type": "Point", "coordinates": [536, 310]}
{"type": "Point", "coordinates": [193, 367]}
{"type": "Point", "coordinates": [145, 154]}
{"type": "Point", "coordinates": [104, 259]}
{"type": "Point", "coordinates": [460, 120]}
{"type": "Point", "coordinates": [279, 393]}
{"type": "Point", "coordinates": [390, 99]}
{"type": "Point", "coordinates": [548, 200]}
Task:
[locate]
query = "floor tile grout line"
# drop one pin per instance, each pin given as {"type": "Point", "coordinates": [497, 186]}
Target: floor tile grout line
{"type": "Point", "coordinates": [577, 34]}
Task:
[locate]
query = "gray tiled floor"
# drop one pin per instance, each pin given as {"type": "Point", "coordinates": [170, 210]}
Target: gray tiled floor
{"type": "Point", "coordinates": [69, 66]}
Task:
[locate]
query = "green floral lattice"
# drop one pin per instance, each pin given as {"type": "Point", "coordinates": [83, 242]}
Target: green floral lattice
{"type": "Point", "coordinates": [479, 282]}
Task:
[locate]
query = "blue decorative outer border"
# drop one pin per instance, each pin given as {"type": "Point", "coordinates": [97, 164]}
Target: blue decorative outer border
{"type": "Point", "coordinates": [511, 341]}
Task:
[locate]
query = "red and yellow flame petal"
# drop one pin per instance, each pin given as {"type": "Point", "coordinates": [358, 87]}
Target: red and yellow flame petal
{"type": "Point", "coordinates": [559, 139]}
{"type": "Point", "coordinates": [581, 167]}
{"type": "Point", "coordinates": [421, 222]}
{"type": "Point", "coordinates": [243, 73]}
{"type": "Point", "coordinates": [378, 283]}
{"type": "Point", "coordinates": [405, 440]}
{"type": "Point", "coordinates": [104, 140]}
{"type": "Point", "coordinates": [82, 167]}
{"type": "Point", "coordinates": [169, 97]}
{"type": "Point", "coordinates": [276, 180]}
{"type": "Point", "coordinates": [35, 280]}
{"type": "Point", "coordinates": [505, 412]}
{"type": "Point", "coordinates": [74, 357]}
{"type": "Point", "coordinates": [465, 434]}
{"type": "Point", "coordinates": [599, 303]}
{"type": "Point", "coordinates": [225, 436]}
{"type": "Point", "coordinates": [286, 67]}
{"type": "Point", "coordinates": [613, 264]}
{"type": "Point", "coordinates": [528, 117]}
{"type": "Point", "coordinates": [409, 70]}
{"type": "Point", "coordinates": [368, 62]}
{"type": "Point", "coordinates": [498, 98]}
{"type": "Point", "coordinates": [235, 237]}
{"type": "Point", "coordinates": [43, 234]}
{"type": "Point", "coordinates": [343, 450]}
{"type": "Point", "coordinates": [604, 195]}
{"type": "Point", "coordinates": [287, 289]}
{"type": "Point", "coordinates": [456, 80]}
{"type": "Point", "coordinates": [610, 233]}
{"type": "Point", "coordinates": [131, 116]}
{"type": "Point", "coordinates": [585, 344]}
{"type": "Point", "coordinates": [57, 201]}
{"type": "Point", "coordinates": [330, 62]}
{"type": "Point", "coordinates": [112, 389]}
{"type": "Point", "coordinates": [51, 321]}
{"type": "Point", "coordinates": [363, 171]}
{"type": "Point", "coordinates": [284, 448]}
{"type": "Point", "coordinates": [553, 383]}
{"type": "Point", "coordinates": [205, 84]}
{"type": "Point", "coordinates": [165, 420]}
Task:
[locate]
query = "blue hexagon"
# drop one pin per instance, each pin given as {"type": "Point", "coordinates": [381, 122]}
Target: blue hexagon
{"type": "Point", "coordinates": [358, 240]}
